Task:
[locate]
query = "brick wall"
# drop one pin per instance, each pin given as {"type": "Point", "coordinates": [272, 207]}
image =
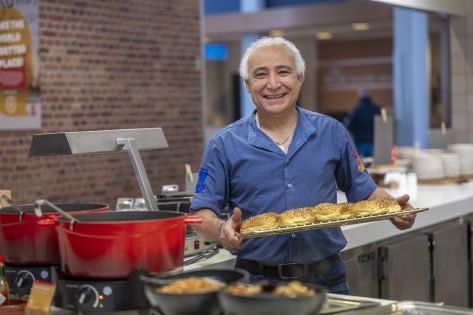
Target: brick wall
{"type": "Point", "coordinates": [110, 65]}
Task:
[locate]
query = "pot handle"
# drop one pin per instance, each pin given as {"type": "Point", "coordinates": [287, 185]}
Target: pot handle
{"type": "Point", "coordinates": [13, 206]}
{"type": "Point", "coordinates": [39, 212]}
{"type": "Point", "coordinates": [193, 219]}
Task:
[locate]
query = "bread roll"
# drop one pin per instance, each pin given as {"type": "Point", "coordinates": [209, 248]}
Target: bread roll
{"type": "Point", "coordinates": [385, 205]}
{"type": "Point", "coordinates": [260, 222]}
{"type": "Point", "coordinates": [327, 212]}
{"type": "Point", "coordinates": [362, 208]}
{"type": "Point", "coordinates": [344, 212]}
{"type": "Point", "coordinates": [378, 205]}
{"type": "Point", "coordinates": [294, 217]}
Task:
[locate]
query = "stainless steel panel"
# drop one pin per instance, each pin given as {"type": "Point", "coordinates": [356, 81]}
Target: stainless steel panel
{"type": "Point", "coordinates": [412, 308]}
{"type": "Point", "coordinates": [335, 305]}
{"type": "Point", "coordinates": [383, 139]}
{"type": "Point", "coordinates": [469, 221]}
{"type": "Point", "coordinates": [450, 265]}
{"type": "Point", "coordinates": [418, 308]}
{"type": "Point", "coordinates": [362, 271]}
{"type": "Point", "coordinates": [405, 269]}
{"type": "Point", "coordinates": [98, 141]}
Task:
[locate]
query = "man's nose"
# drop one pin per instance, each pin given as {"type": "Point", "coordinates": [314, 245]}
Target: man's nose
{"type": "Point", "coordinates": [273, 81]}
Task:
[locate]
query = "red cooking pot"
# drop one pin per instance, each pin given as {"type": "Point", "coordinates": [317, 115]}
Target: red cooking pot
{"type": "Point", "coordinates": [111, 245]}
{"type": "Point", "coordinates": [26, 239]}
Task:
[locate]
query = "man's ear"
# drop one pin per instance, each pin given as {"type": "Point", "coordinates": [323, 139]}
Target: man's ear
{"type": "Point", "coordinates": [300, 77]}
{"type": "Point", "coordinates": [247, 85]}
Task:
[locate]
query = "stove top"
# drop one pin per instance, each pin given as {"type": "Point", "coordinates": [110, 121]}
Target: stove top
{"type": "Point", "coordinates": [22, 277]}
{"type": "Point", "coordinates": [101, 295]}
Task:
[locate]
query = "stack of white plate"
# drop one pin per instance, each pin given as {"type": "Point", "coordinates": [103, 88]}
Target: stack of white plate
{"type": "Point", "coordinates": [433, 151]}
{"type": "Point", "coordinates": [465, 153]}
{"type": "Point", "coordinates": [451, 164]}
{"type": "Point", "coordinates": [408, 152]}
{"type": "Point", "coordinates": [428, 166]}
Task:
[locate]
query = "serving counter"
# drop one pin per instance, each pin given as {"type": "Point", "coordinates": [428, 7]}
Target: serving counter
{"type": "Point", "coordinates": [445, 202]}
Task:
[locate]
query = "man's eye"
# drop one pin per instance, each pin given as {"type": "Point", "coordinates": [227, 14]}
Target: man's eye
{"type": "Point", "coordinates": [260, 75]}
{"type": "Point", "coordinates": [284, 72]}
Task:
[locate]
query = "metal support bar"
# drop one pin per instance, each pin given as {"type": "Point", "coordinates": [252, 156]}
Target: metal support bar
{"type": "Point", "coordinates": [140, 173]}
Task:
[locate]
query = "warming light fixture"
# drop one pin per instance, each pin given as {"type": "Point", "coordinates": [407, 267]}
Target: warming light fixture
{"type": "Point", "coordinates": [360, 26]}
{"type": "Point", "coordinates": [324, 35]}
{"type": "Point", "coordinates": [277, 33]}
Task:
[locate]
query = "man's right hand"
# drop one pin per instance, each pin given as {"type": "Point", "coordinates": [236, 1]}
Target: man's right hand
{"type": "Point", "coordinates": [229, 233]}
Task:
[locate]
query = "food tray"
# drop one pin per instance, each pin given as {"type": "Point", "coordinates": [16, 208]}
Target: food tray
{"type": "Point", "coordinates": [332, 223]}
{"type": "Point", "coordinates": [338, 304]}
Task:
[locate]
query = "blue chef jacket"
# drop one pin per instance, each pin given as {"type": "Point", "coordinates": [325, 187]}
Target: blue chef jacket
{"type": "Point", "coordinates": [243, 167]}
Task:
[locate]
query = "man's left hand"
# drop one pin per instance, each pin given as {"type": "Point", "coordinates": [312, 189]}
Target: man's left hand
{"type": "Point", "coordinates": [404, 222]}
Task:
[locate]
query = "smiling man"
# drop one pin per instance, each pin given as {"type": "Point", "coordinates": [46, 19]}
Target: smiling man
{"type": "Point", "coordinates": [281, 157]}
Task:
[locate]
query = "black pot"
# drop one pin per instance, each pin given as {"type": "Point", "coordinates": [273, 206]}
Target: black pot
{"type": "Point", "coordinates": [189, 304]}
{"type": "Point", "coordinates": [269, 304]}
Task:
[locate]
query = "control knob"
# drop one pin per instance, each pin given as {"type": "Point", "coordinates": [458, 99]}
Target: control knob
{"type": "Point", "coordinates": [88, 296]}
{"type": "Point", "coordinates": [24, 279]}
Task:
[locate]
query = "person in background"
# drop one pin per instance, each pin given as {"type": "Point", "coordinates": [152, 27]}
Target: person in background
{"type": "Point", "coordinates": [360, 122]}
{"type": "Point", "coordinates": [281, 157]}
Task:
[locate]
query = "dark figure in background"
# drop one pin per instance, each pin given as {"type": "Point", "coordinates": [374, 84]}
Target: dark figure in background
{"type": "Point", "coordinates": [360, 122]}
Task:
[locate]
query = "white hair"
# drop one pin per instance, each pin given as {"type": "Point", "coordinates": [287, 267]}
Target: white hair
{"type": "Point", "coordinates": [270, 41]}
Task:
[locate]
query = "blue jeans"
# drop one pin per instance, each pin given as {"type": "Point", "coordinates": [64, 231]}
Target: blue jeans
{"type": "Point", "coordinates": [333, 277]}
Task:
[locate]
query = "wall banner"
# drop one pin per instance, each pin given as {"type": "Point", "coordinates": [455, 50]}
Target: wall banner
{"type": "Point", "coordinates": [19, 65]}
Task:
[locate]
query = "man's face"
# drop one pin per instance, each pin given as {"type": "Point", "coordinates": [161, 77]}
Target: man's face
{"type": "Point", "coordinates": [272, 80]}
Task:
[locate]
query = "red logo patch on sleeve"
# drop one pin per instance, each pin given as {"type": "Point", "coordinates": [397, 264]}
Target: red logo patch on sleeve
{"type": "Point", "coordinates": [359, 164]}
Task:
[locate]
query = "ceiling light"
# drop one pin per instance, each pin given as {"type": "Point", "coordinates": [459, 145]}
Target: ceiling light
{"type": "Point", "coordinates": [277, 33]}
{"type": "Point", "coordinates": [360, 26]}
{"type": "Point", "coordinates": [324, 35]}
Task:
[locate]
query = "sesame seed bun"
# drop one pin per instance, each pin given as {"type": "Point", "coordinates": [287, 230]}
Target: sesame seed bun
{"type": "Point", "coordinates": [385, 205]}
{"type": "Point", "coordinates": [260, 222]}
{"type": "Point", "coordinates": [327, 211]}
{"type": "Point", "coordinates": [374, 206]}
{"type": "Point", "coordinates": [362, 208]}
{"type": "Point", "coordinates": [294, 217]}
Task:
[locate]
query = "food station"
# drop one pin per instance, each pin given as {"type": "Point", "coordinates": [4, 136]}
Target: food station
{"type": "Point", "coordinates": [116, 261]}
{"type": "Point", "coordinates": [95, 261]}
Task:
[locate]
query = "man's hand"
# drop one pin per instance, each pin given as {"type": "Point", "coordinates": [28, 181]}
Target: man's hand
{"type": "Point", "coordinates": [404, 222]}
{"type": "Point", "coordinates": [229, 232]}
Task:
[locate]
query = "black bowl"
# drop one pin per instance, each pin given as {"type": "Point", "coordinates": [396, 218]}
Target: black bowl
{"type": "Point", "coordinates": [189, 304]}
{"type": "Point", "coordinates": [269, 304]}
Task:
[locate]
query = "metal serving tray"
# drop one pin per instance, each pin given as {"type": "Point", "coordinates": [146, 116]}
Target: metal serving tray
{"type": "Point", "coordinates": [421, 308]}
{"type": "Point", "coordinates": [333, 223]}
{"type": "Point", "coordinates": [335, 305]}
{"type": "Point", "coordinates": [413, 308]}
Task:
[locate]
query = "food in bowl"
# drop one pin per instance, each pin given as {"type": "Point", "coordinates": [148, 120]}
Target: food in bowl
{"type": "Point", "coordinates": [291, 289]}
{"type": "Point", "coordinates": [272, 299]}
{"type": "Point", "coordinates": [244, 289]}
{"type": "Point", "coordinates": [191, 285]}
